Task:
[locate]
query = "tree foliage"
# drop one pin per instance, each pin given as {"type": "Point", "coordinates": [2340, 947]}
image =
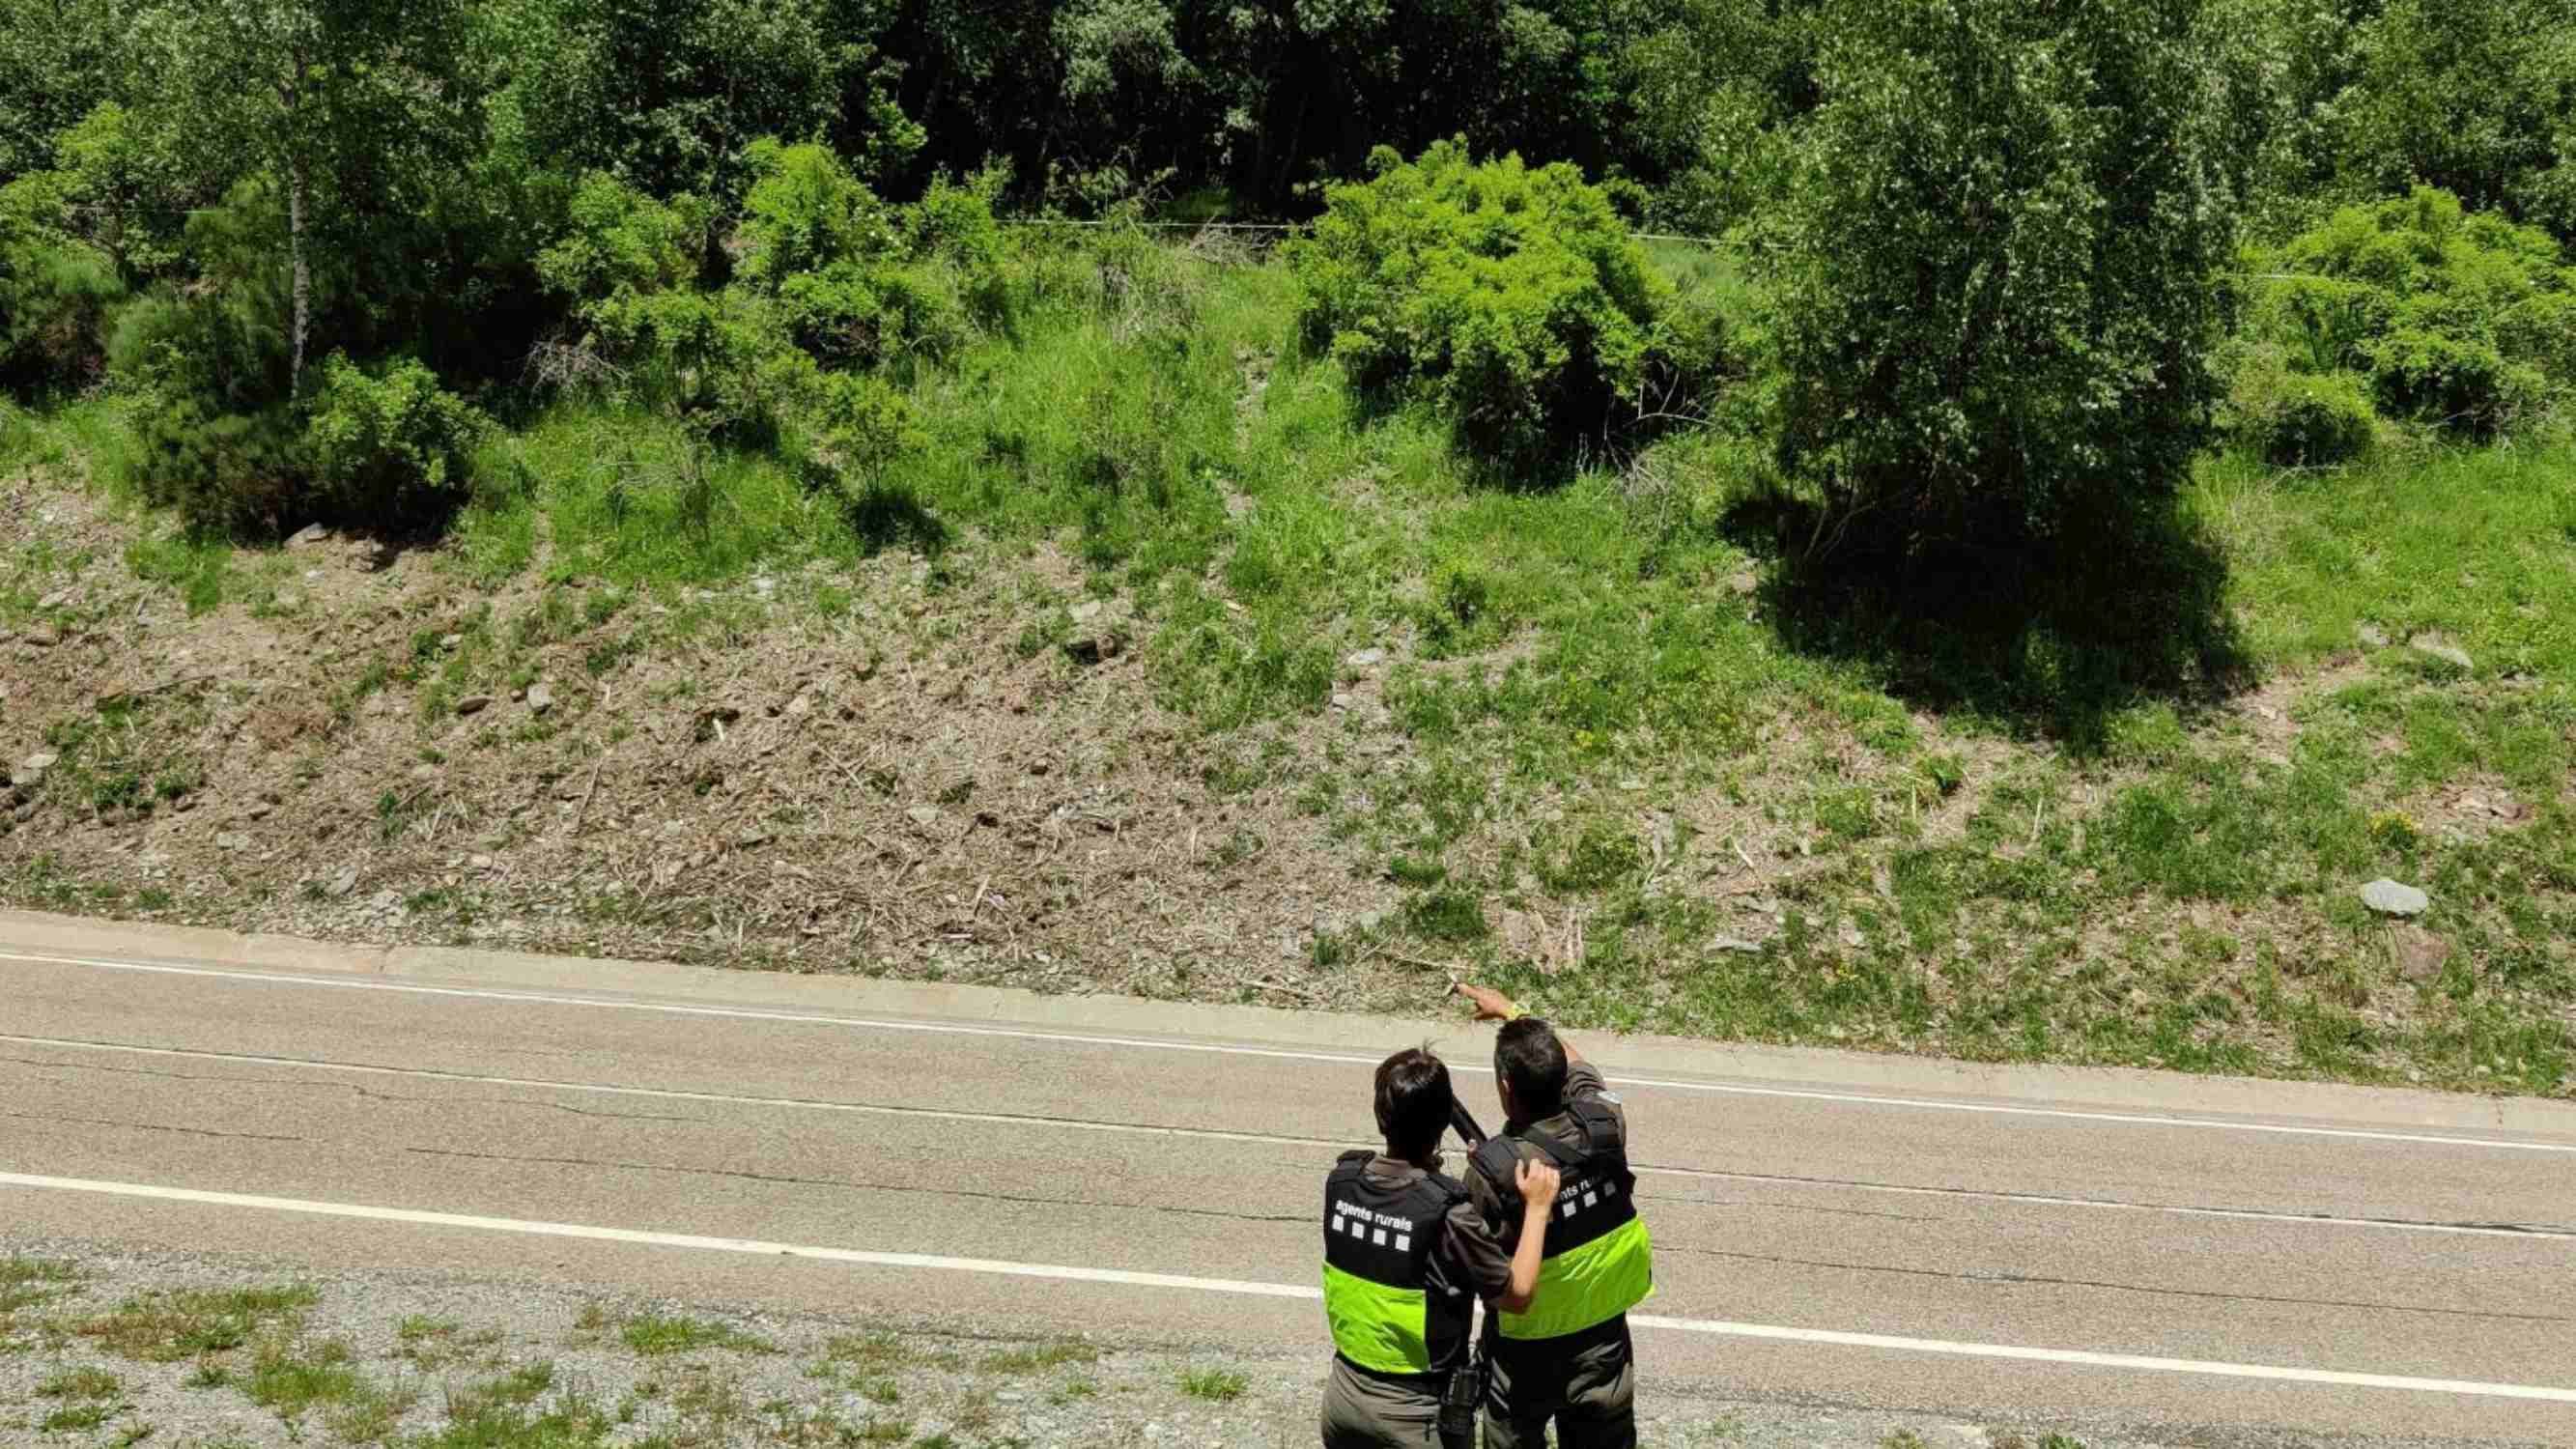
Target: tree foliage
{"type": "Point", "coordinates": [1511, 297]}
{"type": "Point", "coordinates": [1996, 267]}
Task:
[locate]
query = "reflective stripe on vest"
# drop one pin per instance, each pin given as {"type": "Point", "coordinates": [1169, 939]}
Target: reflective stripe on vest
{"type": "Point", "coordinates": [1599, 1261]}
{"type": "Point", "coordinates": [1589, 1285]}
{"type": "Point", "coordinates": [1378, 1299]}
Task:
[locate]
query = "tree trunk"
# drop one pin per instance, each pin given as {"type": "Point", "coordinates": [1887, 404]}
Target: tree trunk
{"type": "Point", "coordinates": [295, 187]}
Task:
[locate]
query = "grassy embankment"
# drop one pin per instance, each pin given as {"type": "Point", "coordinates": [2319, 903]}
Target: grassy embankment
{"type": "Point", "coordinates": [1643, 777]}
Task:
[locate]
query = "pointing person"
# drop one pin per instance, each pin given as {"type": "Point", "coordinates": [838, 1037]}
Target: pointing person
{"type": "Point", "coordinates": [1566, 1358]}
{"type": "Point", "coordinates": [1406, 1254]}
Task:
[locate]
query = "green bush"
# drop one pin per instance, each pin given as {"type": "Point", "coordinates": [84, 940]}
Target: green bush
{"type": "Point", "coordinates": [1997, 267]}
{"type": "Point", "coordinates": [224, 472]}
{"type": "Point", "coordinates": [390, 449]}
{"type": "Point", "coordinates": [1511, 298]}
{"type": "Point", "coordinates": [2299, 419]}
{"type": "Point", "coordinates": [56, 296]}
{"type": "Point", "coordinates": [2458, 320]}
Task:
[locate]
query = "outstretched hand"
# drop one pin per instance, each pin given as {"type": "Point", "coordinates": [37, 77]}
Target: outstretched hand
{"type": "Point", "coordinates": [1491, 1005]}
{"type": "Point", "coordinates": [1538, 1183]}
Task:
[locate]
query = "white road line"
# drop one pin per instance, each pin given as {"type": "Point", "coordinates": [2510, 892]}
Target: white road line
{"type": "Point", "coordinates": [1120, 1277]}
{"type": "Point", "coordinates": [1864, 1099]}
{"type": "Point", "coordinates": [811, 1104]}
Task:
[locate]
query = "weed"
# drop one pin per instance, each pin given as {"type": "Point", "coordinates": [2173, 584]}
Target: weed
{"type": "Point", "coordinates": [1215, 1385]}
{"type": "Point", "coordinates": [653, 1335]}
{"type": "Point", "coordinates": [81, 1384]}
{"type": "Point", "coordinates": [210, 1373]}
{"type": "Point", "coordinates": [76, 1419]}
{"type": "Point", "coordinates": [168, 1326]}
{"type": "Point", "coordinates": [434, 1343]}
{"type": "Point", "coordinates": [1040, 1357]}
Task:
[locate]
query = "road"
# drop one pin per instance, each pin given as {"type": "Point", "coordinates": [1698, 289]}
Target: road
{"type": "Point", "coordinates": [2241, 1262]}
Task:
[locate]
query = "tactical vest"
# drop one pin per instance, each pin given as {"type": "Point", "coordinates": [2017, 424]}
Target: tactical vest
{"type": "Point", "coordinates": [1598, 1263]}
{"type": "Point", "coordinates": [1385, 1314]}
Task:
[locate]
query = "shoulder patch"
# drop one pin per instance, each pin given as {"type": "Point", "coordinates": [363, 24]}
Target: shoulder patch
{"type": "Point", "coordinates": [1612, 1098]}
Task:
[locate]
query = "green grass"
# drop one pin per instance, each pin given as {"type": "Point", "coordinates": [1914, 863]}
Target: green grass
{"type": "Point", "coordinates": [2050, 831]}
{"type": "Point", "coordinates": [1217, 1386]}
{"type": "Point", "coordinates": [169, 1326]}
{"type": "Point", "coordinates": [81, 1384]}
{"type": "Point", "coordinates": [194, 568]}
{"type": "Point", "coordinates": [1038, 1358]}
{"type": "Point", "coordinates": [295, 1380]}
{"type": "Point", "coordinates": [653, 1335]}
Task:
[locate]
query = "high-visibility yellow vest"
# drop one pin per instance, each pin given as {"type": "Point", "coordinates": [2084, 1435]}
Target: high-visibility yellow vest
{"type": "Point", "coordinates": [1599, 1262]}
{"type": "Point", "coordinates": [1385, 1312]}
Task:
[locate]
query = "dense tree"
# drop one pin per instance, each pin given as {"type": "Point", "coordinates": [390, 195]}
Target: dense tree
{"type": "Point", "coordinates": [1997, 269]}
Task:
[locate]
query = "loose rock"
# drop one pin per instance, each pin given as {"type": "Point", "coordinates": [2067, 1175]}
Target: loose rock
{"type": "Point", "coordinates": [474, 704]}
{"type": "Point", "coordinates": [43, 636]}
{"type": "Point", "coordinates": [540, 699]}
{"type": "Point", "coordinates": [1366, 658]}
{"type": "Point", "coordinates": [341, 884]}
{"type": "Point", "coordinates": [2372, 636]}
{"type": "Point", "coordinates": [2392, 899]}
{"type": "Point", "coordinates": [925, 816]}
{"type": "Point", "coordinates": [30, 772]}
{"type": "Point", "coordinates": [309, 535]}
{"type": "Point", "coordinates": [232, 840]}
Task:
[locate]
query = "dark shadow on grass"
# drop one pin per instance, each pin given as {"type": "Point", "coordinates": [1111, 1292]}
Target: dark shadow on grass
{"type": "Point", "coordinates": [889, 515]}
{"type": "Point", "coordinates": [2047, 636]}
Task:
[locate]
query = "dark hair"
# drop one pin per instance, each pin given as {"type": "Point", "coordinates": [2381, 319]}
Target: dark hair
{"type": "Point", "coordinates": [1412, 1101]}
{"type": "Point", "coordinates": [1531, 1061]}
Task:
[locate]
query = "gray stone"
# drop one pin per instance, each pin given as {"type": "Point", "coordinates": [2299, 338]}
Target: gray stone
{"type": "Point", "coordinates": [55, 600]}
{"type": "Point", "coordinates": [801, 706]}
{"type": "Point", "coordinates": [1366, 658]}
{"type": "Point", "coordinates": [925, 816]}
{"type": "Point", "coordinates": [1343, 701]}
{"type": "Point", "coordinates": [341, 884]}
{"type": "Point", "coordinates": [474, 704]}
{"type": "Point", "coordinates": [540, 699]}
{"type": "Point", "coordinates": [2433, 646]}
{"type": "Point", "coordinates": [1736, 944]}
{"type": "Point", "coordinates": [2391, 899]}
{"type": "Point", "coordinates": [232, 840]}
{"type": "Point", "coordinates": [2373, 636]}
{"type": "Point", "coordinates": [30, 771]}
{"type": "Point", "coordinates": [309, 535]}
{"type": "Point", "coordinates": [452, 641]}
{"type": "Point", "coordinates": [1086, 611]}
{"type": "Point", "coordinates": [44, 636]}
{"type": "Point", "coordinates": [480, 862]}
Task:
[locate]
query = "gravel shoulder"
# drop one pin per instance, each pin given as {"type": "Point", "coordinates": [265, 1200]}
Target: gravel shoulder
{"type": "Point", "coordinates": [101, 1346]}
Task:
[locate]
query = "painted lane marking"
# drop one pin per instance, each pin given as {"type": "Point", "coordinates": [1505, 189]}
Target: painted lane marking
{"type": "Point", "coordinates": [854, 1023]}
{"type": "Point", "coordinates": [1121, 1277]}
{"type": "Point", "coordinates": [1270, 1139]}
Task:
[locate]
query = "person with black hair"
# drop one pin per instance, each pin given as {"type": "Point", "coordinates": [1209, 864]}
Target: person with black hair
{"type": "Point", "coordinates": [1406, 1255]}
{"type": "Point", "coordinates": [1567, 1360]}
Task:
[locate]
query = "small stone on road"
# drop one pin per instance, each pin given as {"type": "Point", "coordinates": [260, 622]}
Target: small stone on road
{"type": "Point", "coordinates": [2392, 899]}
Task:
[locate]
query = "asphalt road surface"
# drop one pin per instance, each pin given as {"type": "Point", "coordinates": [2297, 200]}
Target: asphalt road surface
{"type": "Point", "coordinates": [2225, 1261]}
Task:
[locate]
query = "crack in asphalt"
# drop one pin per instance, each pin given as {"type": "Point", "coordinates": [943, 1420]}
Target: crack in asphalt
{"type": "Point", "coordinates": [2025, 1280]}
{"type": "Point", "coordinates": [746, 1176]}
{"type": "Point", "coordinates": [147, 1127]}
{"type": "Point", "coordinates": [363, 1092]}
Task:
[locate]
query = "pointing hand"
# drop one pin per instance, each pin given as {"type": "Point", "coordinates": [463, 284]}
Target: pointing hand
{"type": "Point", "coordinates": [1491, 1005]}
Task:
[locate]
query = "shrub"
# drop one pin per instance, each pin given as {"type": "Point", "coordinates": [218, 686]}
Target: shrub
{"type": "Point", "coordinates": [227, 472]}
{"type": "Point", "coordinates": [2457, 319]}
{"type": "Point", "coordinates": [2302, 420]}
{"type": "Point", "coordinates": [390, 448]}
{"type": "Point", "coordinates": [1511, 298]}
{"type": "Point", "coordinates": [1996, 268]}
{"type": "Point", "coordinates": [56, 295]}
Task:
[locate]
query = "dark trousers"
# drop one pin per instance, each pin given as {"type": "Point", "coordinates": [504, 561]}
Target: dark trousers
{"type": "Point", "coordinates": [1584, 1383]}
{"type": "Point", "coordinates": [1366, 1411]}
